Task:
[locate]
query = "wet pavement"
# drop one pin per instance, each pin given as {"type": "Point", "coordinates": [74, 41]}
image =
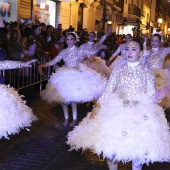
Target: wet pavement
{"type": "Point", "coordinates": [44, 147]}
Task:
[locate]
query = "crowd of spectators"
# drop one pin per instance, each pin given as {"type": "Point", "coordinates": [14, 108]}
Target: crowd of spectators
{"type": "Point", "coordinates": [25, 41]}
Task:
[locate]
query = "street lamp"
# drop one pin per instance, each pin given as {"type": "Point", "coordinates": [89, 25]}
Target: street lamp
{"type": "Point", "coordinates": [109, 22]}
{"type": "Point", "coordinates": [160, 20]}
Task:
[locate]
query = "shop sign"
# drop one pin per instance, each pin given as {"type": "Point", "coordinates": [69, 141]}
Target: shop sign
{"type": "Point", "coordinates": [119, 18]}
{"type": "Point", "coordinates": [132, 21]}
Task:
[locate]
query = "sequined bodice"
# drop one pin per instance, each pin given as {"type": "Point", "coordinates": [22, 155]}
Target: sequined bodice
{"type": "Point", "coordinates": [72, 56]}
{"type": "Point", "coordinates": [130, 82]}
{"type": "Point", "coordinates": [157, 57]}
{"type": "Point", "coordinates": [133, 82]}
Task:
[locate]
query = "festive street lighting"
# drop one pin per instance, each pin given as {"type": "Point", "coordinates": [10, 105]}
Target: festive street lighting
{"type": "Point", "coordinates": [160, 20]}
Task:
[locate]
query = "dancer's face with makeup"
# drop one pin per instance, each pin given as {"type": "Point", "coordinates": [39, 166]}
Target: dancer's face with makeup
{"type": "Point", "coordinates": [133, 51]}
{"type": "Point", "coordinates": [155, 41]}
{"type": "Point", "coordinates": [70, 39]}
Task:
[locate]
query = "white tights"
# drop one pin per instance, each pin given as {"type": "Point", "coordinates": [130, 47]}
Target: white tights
{"type": "Point", "coordinates": [74, 110]}
{"type": "Point", "coordinates": [136, 166]}
{"type": "Point", "coordinates": [114, 165]}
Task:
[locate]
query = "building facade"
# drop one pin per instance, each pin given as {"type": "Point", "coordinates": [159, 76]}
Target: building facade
{"type": "Point", "coordinates": [127, 16]}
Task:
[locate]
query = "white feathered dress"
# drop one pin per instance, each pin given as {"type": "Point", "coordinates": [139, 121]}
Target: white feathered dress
{"type": "Point", "coordinates": [156, 61]}
{"type": "Point", "coordinates": [96, 63]}
{"type": "Point", "coordinates": [14, 113]}
{"type": "Point", "coordinates": [128, 125]}
{"type": "Point", "coordinates": [74, 82]}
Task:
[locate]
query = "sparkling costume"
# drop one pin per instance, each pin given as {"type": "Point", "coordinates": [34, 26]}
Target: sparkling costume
{"type": "Point", "coordinates": [96, 63]}
{"type": "Point", "coordinates": [74, 82]}
{"type": "Point", "coordinates": [156, 61]}
{"type": "Point", "coordinates": [14, 114]}
{"type": "Point", "coordinates": [99, 65]}
{"type": "Point", "coordinates": [128, 126]}
{"type": "Point", "coordinates": [120, 60]}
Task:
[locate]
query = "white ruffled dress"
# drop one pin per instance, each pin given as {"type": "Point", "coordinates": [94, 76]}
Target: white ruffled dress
{"type": "Point", "coordinates": [96, 63]}
{"type": "Point", "coordinates": [128, 125]}
{"type": "Point", "coordinates": [74, 82]}
{"type": "Point", "coordinates": [14, 113]}
{"type": "Point", "coordinates": [155, 61]}
{"type": "Point", "coordinates": [99, 65]}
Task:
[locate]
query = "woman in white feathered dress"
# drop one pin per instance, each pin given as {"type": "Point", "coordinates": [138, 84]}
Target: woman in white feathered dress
{"type": "Point", "coordinates": [14, 113]}
{"type": "Point", "coordinates": [75, 82]}
{"type": "Point", "coordinates": [155, 60]}
{"type": "Point", "coordinates": [120, 59]}
{"type": "Point", "coordinates": [96, 63]}
{"type": "Point", "coordinates": [127, 124]}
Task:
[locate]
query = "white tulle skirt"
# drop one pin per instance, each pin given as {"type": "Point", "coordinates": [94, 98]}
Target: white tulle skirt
{"type": "Point", "coordinates": [163, 80]}
{"type": "Point", "coordinates": [98, 64]}
{"type": "Point", "coordinates": [124, 131]}
{"type": "Point", "coordinates": [14, 113]}
{"type": "Point", "coordinates": [74, 85]}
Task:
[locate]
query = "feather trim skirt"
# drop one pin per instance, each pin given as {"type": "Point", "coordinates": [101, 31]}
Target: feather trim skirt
{"type": "Point", "coordinates": [124, 131]}
{"type": "Point", "coordinates": [74, 85]}
{"type": "Point", "coordinates": [163, 80]}
{"type": "Point", "coordinates": [14, 113]}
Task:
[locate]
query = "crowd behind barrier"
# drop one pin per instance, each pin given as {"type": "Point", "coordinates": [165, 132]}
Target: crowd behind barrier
{"type": "Point", "coordinates": [23, 41]}
{"type": "Point", "coordinates": [21, 78]}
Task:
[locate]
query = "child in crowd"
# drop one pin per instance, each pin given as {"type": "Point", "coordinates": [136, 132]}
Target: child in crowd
{"type": "Point", "coordinates": [126, 123]}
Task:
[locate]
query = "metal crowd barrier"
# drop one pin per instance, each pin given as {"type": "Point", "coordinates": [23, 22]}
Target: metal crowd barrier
{"type": "Point", "coordinates": [25, 77]}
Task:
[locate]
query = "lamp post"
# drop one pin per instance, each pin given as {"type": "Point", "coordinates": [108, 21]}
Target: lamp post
{"type": "Point", "coordinates": [160, 20]}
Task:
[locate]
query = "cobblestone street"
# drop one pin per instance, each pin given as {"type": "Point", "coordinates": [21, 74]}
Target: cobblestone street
{"type": "Point", "coordinates": [44, 147]}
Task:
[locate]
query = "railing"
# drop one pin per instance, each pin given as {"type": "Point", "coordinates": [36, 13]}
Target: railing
{"type": "Point", "coordinates": [25, 77]}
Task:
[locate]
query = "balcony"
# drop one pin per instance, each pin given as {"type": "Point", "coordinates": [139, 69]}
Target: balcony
{"type": "Point", "coordinates": [134, 10]}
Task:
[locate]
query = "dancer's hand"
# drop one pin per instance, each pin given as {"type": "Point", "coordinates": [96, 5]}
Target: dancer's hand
{"type": "Point", "coordinates": [28, 64]}
{"type": "Point", "coordinates": [161, 93]}
{"type": "Point", "coordinates": [103, 47]}
{"type": "Point", "coordinates": [109, 29]}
